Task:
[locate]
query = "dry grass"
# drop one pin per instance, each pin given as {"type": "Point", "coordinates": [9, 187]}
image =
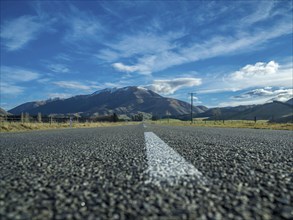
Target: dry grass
{"type": "Point", "coordinates": [261, 124]}
{"type": "Point", "coordinates": [17, 126]}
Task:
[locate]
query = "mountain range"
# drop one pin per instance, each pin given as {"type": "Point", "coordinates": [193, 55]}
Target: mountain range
{"type": "Point", "coordinates": [3, 112]}
{"type": "Point", "coordinates": [128, 101]}
{"type": "Point", "coordinates": [132, 100]}
{"type": "Point", "coordinates": [273, 111]}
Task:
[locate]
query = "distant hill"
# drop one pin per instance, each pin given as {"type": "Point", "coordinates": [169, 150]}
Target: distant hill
{"type": "Point", "coordinates": [225, 112]}
{"type": "Point", "coordinates": [290, 101]}
{"type": "Point", "coordinates": [274, 111]}
{"type": "Point", "coordinates": [132, 100]}
{"type": "Point", "coordinates": [3, 112]}
{"type": "Point", "coordinates": [128, 100]}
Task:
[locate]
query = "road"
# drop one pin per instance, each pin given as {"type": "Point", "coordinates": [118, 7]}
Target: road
{"type": "Point", "coordinates": [147, 172]}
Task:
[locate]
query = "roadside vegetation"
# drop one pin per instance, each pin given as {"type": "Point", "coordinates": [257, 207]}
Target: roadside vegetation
{"type": "Point", "coordinates": [260, 124]}
{"type": "Point", "coordinates": [15, 126]}
{"type": "Point", "coordinates": [26, 122]}
{"type": "Point", "coordinates": [28, 126]}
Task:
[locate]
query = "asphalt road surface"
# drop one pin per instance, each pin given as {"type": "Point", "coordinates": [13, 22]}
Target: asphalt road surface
{"type": "Point", "coordinates": [147, 172]}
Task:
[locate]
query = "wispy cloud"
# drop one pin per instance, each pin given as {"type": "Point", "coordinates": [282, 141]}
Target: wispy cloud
{"type": "Point", "coordinates": [277, 94]}
{"type": "Point", "coordinates": [17, 74]}
{"type": "Point", "coordinates": [58, 68]}
{"type": "Point", "coordinates": [262, 12]}
{"type": "Point", "coordinates": [232, 103]}
{"type": "Point", "coordinates": [172, 85]}
{"type": "Point", "coordinates": [17, 33]}
{"type": "Point", "coordinates": [267, 10]}
{"type": "Point", "coordinates": [107, 55]}
{"type": "Point", "coordinates": [12, 76]}
{"type": "Point", "coordinates": [124, 68]}
{"type": "Point", "coordinates": [217, 46]}
{"type": "Point", "coordinates": [59, 95]}
{"type": "Point", "coordinates": [63, 57]}
{"type": "Point", "coordinates": [196, 100]}
{"type": "Point", "coordinates": [10, 89]}
{"type": "Point", "coordinates": [44, 80]}
{"type": "Point", "coordinates": [146, 43]}
{"type": "Point", "coordinates": [83, 26]}
{"type": "Point", "coordinates": [156, 51]}
{"type": "Point", "coordinates": [76, 85]}
{"type": "Point", "coordinates": [260, 96]}
{"type": "Point", "coordinates": [140, 45]}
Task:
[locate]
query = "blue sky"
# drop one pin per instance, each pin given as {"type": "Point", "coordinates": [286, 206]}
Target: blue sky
{"type": "Point", "coordinates": [228, 52]}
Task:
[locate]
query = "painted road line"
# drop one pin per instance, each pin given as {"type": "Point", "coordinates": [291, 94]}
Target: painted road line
{"type": "Point", "coordinates": [144, 126]}
{"type": "Point", "coordinates": [166, 165]}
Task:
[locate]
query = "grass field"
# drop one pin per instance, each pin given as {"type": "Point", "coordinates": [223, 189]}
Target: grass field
{"type": "Point", "coordinates": [261, 124]}
{"type": "Point", "coordinates": [18, 126]}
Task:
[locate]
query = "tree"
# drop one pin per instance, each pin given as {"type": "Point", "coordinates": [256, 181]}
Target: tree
{"type": "Point", "coordinates": [137, 117]}
{"type": "Point", "coordinates": [155, 118]}
{"type": "Point", "coordinates": [140, 117]}
{"type": "Point", "coordinates": [115, 117]}
{"type": "Point", "coordinates": [216, 113]}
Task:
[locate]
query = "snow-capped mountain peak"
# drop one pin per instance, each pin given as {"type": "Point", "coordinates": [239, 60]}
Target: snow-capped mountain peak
{"type": "Point", "coordinates": [107, 90]}
{"type": "Point", "coordinates": [115, 89]}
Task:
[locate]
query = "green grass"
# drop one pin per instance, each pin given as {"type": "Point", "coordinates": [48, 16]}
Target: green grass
{"type": "Point", "coordinates": [18, 126]}
{"type": "Point", "coordinates": [261, 124]}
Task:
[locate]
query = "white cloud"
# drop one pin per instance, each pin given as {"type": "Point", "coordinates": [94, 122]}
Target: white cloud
{"type": "Point", "coordinates": [160, 53]}
{"type": "Point", "coordinates": [259, 70]}
{"type": "Point", "coordinates": [16, 74]}
{"type": "Point", "coordinates": [172, 85]}
{"type": "Point", "coordinates": [146, 43]}
{"type": "Point", "coordinates": [82, 26]}
{"type": "Point", "coordinates": [148, 64]}
{"type": "Point", "coordinates": [12, 76]}
{"type": "Point", "coordinates": [254, 93]}
{"type": "Point", "coordinates": [262, 12]}
{"type": "Point", "coordinates": [63, 57]}
{"type": "Point", "coordinates": [107, 55]}
{"type": "Point", "coordinates": [282, 97]}
{"type": "Point", "coordinates": [260, 96]}
{"type": "Point", "coordinates": [196, 100]}
{"type": "Point", "coordinates": [261, 74]}
{"type": "Point", "coordinates": [44, 80]}
{"type": "Point", "coordinates": [17, 33]}
{"type": "Point", "coordinates": [242, 102]}
{"type": "Point", "coordinates": [10, 89]}
{"type": "Point", "coordinates": [75, 85]}
{"type": "Point", "coordinates": [58, 68]}
{"type": "Point", "coordinates": [124, 68]}
{"type": "Point", "coordinates": [278, 94]}
{"type": "Point", "coordinates": [59, 95]}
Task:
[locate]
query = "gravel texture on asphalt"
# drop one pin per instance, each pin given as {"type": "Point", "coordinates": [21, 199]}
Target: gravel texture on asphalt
{"type": "Point", "coordinates": [100, 173]}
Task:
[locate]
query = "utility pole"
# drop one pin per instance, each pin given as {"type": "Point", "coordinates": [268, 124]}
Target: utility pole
{"type": "Point", "coordinates": [191, 107]}
{"type": "Point", "coordinates": [168, 116]}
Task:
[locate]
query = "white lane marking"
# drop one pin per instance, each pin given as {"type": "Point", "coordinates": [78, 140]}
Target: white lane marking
{"type": "Point", "coordinates": [144, 126]}
{"type": "Point", "coordinates": [166, 165]}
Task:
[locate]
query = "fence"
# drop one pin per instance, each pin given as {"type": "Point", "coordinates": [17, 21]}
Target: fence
{"type": "Point", "coordinates": [25, 118]}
